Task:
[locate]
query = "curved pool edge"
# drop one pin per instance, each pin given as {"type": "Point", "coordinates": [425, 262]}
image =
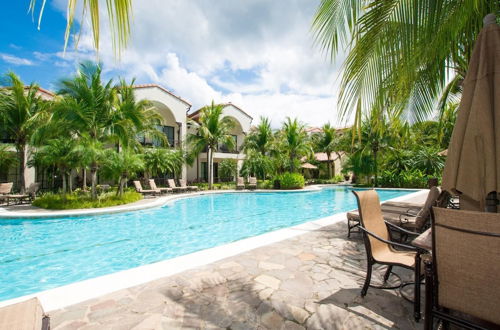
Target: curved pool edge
{"type": "Point", "coordinates": [136, 206]}
{"type": "Point", "coordinates": [76, 292]}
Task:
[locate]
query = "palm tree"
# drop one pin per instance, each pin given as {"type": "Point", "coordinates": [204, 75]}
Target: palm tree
{"type": "Point", "coordinates": [119, 14]}
{"type": "Point", "coordinates": [160, 160]}
{"type": "Point", "coordinates": [328, 142]}
{"type": "Point", "coordinates": [261, 138]}
{"type": "Point", "coordinates": [21, 112]}
{"type": "Point", "coordinates": [214, 130]}
{"type": "Point", "coordinates": [401, 54]}
{"type": "Point", "coordinates": [295, 142]}
{"type": "Point", "coordinates": [7, 157]}
{"type": "Point", "coordinates": [61, 154]}
{"type": "Point", "coordinates": [121, 166]}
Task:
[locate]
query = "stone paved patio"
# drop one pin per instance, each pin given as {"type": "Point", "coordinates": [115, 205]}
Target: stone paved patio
{"type": "Point", "coordinates": [311, 281]}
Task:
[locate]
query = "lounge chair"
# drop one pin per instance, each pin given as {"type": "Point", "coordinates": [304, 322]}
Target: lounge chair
{"type": "Point", "coordinates": [182, 183]}
{"type": "Point", "coordinates": [252, 182]}
{"type": "Point", "coordinates": [29, 195]}
{"type": "Point", "coordinates": [138, 188]}
{"type": "Point", "coordinates": [6, 188]}
{"type": "Point", "coordinates": [240, 183]}
{"type": "Point", "coordinates": [404, 214]}
{"type": "Point", "coordinates": [171, 184]}
{"type": "Point", "coordinates": [152, 185]}
{"type": "Point", "coordinates": [380, 247]}
{"type": "Point", "coordinates": [26, 315]}
{"type": "Point", "coordinates": [462, 279]}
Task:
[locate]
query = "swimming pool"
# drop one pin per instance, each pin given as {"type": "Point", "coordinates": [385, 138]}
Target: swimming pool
{"type": "Point", "coordinates": [39, 254]}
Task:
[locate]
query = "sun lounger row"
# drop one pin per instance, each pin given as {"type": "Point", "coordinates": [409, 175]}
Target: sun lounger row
{"type": "Point", "coordinates": [252, 183]}
{"type": "Point", "coordinates": [7, 197]}
{"type": "Point", "coordinates": [172, 187]}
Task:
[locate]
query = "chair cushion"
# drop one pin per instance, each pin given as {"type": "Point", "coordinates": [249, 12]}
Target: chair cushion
{"type": "Point", "coordinates": [397, 257]}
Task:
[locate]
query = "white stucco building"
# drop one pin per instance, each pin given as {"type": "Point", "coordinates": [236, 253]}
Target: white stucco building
{"type": "Point", "coordinates": [177, 122]}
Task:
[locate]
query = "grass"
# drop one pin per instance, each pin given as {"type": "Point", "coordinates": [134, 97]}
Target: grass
{"type": "Point", "coordinates": [83, 201]}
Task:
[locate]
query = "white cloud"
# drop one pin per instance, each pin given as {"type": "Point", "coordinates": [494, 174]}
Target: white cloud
{"type": "Point", "coordinates": [258, 54]}
{"type": "Point", "coordinates": [15, 60]}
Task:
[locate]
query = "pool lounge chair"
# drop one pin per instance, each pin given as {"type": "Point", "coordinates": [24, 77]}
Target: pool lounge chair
{"type": "Point", "coordinates": [153, 186]}
{"type": "Point", "coordinates": [171, 184]}
{"type": "Point", "coordinates": [240, 183]}
{"type": "Point", "coordinates": [138, 188]}
{"type": "Point", "coordinates": [380, 248]}
{"type": "Point", "coordinates": [26, 315]}
{"type": "Point", "coordinates": [252, 182]}
{"type": "Point", "coordinates": [6, 188]}
{"type": "Point", "coordinates": [29, 195]}
{"type": "Point", "coordinates": [182, 183]}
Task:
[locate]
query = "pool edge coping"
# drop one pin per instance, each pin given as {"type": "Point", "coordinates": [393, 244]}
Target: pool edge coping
{"type": "Point", "coordinates": [73, 293]}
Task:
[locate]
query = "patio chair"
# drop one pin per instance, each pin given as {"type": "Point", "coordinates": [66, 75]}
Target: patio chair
{"type": "Point", "coordinates": [138, 188]}
{"type": "Point", "coordinates": [240, 183]}
{"type": "Point", "coordinates": [171, 184]}
{"type": "Point", "coordinates": [462, 280]}
{"type": "Point", "coordinates": [182, 183]}
{"type": "Point", "coordinates": [26, 315]}
{"type": "Point", "coordinates": [6, 188]}
{"type": "Point", "coordinates": [152, 185]}
{"type": "Point", "coordinates": [380, 246]}
{"type": "Point", "coordinates": [29, 195]}
{"type": "Point", "coordinates": [252, 182]}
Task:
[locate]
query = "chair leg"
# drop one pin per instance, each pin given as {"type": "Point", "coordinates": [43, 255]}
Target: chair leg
{"type": "Point", "coordinates": [348, 229]}
{"type": "Point", "coordinates": [416, 304]}
{"type": "Point", "coordinates": [367, 280]}
{"type": "Point", "coordinates": [387, 273]}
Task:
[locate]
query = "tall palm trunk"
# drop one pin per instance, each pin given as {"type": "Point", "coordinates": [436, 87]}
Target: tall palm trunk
{"type": "Point", "coordinates": [210, 168]}
{"type": "Point", "coordinates": [121, 185]}
{"type": "Point", "coordinates": [21, 152]}
{"type": "Point", "coordinates": [84, 186]}
{"type": "Point", "coordinates": [64, 184]}
{"type": "Point", "coordinates": [93, 174]}
{"type": "Point", "coordinates": [328, 156]}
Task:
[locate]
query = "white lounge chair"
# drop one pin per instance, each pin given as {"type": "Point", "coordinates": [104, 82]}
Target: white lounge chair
{"type": "Point", "coordinates": [182, 183]}
{"type": "Point", "coordinates": [153, 186]}
{"type": "Point", "coordinates": [138, 188]}
{"type": "Point", "coordinates": [171, 184]}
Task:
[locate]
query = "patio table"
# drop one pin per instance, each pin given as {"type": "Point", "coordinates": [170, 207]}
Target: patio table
{"type": "Point", "coordinates": [424, 240]}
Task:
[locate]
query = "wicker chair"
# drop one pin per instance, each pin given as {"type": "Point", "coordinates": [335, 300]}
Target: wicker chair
{"type": "Point", "coordinates": [380, 246]}
{"type": "Point", "coordinates": [463, 277]}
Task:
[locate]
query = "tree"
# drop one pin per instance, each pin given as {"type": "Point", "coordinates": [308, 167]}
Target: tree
{"type": "Point", "coordinates": [160, 160]}
{"type": "Point", "coordinates": [327, 141]}
{"type": "Point", "coordinates": [228, 169]}
{"type": "Point", "coordinates": [119, 14]}
{"type": "Point", "coordinates": [400, 53]}
{"type": "Point", "coordinates": [261, 138]}
{"type": "Point", "coordinates": [295, 142]}
{"type": "Point", "coordinates": [214, 130]}
{"type": "Point", "coordinates": [21, 112]}
{"type": "Point", "coordinates": [121, 166]}
{"type": "Point", "coordinates": [7, 157]}
{"type": "Point", "coordinates": [60, 153]}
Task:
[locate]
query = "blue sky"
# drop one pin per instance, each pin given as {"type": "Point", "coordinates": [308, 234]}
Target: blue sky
{"type": "Point", "coordinates": [258, 54]}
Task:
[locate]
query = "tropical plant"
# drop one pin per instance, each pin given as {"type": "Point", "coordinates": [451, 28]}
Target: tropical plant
{"type": "Point", "coordinates": [7, 157]}
{"type": "Point", "coordinates": [119, 14]}
{"type": "Point", "coordinates": [256, 164]}
{"type": "Point", "coordinates": [214, 130]}
{"type": "Point", "coordinates": [428, 160]}
{"type": "Point", "coordinates": [327, 141]}
{"type": "Point", "coordinates": [60, 153]}
{"type": "Point", "coordinates": [289, 180]}
{"type": "Point", "coordinates": [122, 166]}
{"type": "Point", "coordinates": [228, 169]}
{"type": "Point", "coordinates": [21, 112]}
{"type": "Point", "coordinates": [401, 54]}
{"type": "Point", "coordinates": [158, 161]}
{"type": "Point", "coordinates": [260, 138]}
{"type": "Point", "coordinates": [295, 142]}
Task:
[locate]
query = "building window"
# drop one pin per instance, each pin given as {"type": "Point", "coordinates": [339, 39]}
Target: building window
{"type": "Point", "coordinates": [224, 148]}
{"type": "Point", "coordinates": [169, 132]}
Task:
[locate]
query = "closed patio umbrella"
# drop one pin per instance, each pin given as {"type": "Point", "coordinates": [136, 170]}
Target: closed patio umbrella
{"type": "Point", "coordinates": [473, 160]}
{"type": "Point", "coordinates": [309, 166]}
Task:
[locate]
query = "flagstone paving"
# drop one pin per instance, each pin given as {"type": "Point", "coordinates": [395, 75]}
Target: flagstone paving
{"type": "Point", "coordinates": [311, 281]}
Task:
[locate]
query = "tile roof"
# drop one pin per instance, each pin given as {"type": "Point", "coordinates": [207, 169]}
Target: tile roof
{"type": "Point", "coordinates": [163, 89]}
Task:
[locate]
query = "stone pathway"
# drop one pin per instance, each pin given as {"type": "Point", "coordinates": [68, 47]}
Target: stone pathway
{"type": "Point", "coordinates": [311, 281]}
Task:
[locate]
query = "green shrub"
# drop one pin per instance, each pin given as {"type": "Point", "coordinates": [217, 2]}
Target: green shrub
{"type": "Point", "coordinates": [407, 179]}
{"type": "Point", "coordinates": [79, 200]}
{"type": "Point", "coordinates": [290, 180]}
{"type": "Point", "coordinates": [228, 169]}
{"type": "Point", "coordinates": [264, 184]}
{"type": "Point", "coordinates": [216, 186]}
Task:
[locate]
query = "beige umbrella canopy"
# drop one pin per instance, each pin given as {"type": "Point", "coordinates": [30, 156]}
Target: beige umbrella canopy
{"type": "Point", "coordinates": [472, 165]}
{"type": "Point", "coordinates": [309, 166]}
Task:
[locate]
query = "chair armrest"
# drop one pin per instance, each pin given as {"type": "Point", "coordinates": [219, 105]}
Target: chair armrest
{"type": "Point", "coordinates": [402, 230]}
{"type": "Point", "coordinates": [409, 247]}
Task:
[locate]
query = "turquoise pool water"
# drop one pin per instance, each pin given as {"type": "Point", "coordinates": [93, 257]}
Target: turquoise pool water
{"type": "Point", "coordinates": [39, 254]}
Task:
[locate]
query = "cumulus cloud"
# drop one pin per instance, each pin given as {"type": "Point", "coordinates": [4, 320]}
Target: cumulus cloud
{"type": "Point", "coordinates": [15, 59]}
{"type": "Point", "coordinates": [258, 54]}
